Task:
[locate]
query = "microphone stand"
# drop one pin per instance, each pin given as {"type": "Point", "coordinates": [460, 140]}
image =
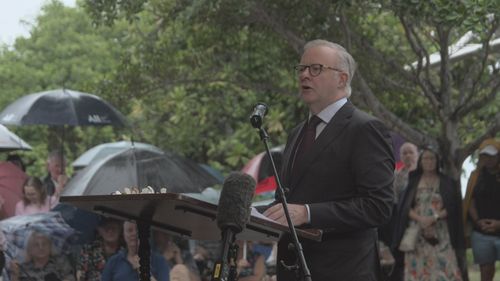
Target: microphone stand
{"type": "Point", "coordinates": [281, 194]}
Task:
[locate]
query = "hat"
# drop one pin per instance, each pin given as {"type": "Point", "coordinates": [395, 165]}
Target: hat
{"type": "Point", "coordinates": [489, 150]}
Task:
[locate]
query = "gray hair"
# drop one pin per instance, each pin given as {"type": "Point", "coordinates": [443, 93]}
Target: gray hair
{"type": "Point", "coordinates": [347, 62]}
{"type": "Point", "coordinates": [56, 154]}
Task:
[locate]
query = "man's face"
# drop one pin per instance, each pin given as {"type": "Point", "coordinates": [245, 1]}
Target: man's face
{"type": "Point", "coordinates": [409, 155]}
{"type": "Point", "coordinates": [320, 91]}
{"type": "Point", "coordinates": [489, 161]}
{"type": "Point", "coordinates": [55, 167]}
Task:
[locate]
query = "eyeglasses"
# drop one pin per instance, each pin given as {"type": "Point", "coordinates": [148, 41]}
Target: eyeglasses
{"type": "Point", "coordinates": [315, 69]}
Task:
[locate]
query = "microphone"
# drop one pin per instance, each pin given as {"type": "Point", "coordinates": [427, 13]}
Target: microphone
{"type": "Point", "coordinates": [258, 114]}
{"type": "Point", "coordinates": [233, 212]}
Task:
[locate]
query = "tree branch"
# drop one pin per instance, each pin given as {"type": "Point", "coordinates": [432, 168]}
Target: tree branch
{"type": "Point", "coordinates": [480, 103]}
{"type": "Point", "coordinates": [261, 15]}
{"type": "Point", "coordinates": [390, 119]}
{"type": "Point", "coordinates": [417, 47]}
{"type": "Point", "coordinates": [491, 131]}
{"type": "Point", "coordinates": [484, 59]}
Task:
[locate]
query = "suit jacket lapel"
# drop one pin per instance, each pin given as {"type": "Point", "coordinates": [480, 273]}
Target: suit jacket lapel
{"type": "Point", "coordinates": [327, 136]}
{"type": "Point", "coordinates": [289, 155]}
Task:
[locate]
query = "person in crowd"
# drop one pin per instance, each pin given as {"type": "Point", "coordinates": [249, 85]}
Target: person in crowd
{"type": "Point", "coordinates": [484, 212]}
{"type": "Point", "coordinates": [250, 265]}
{"type": "Point", "coordinates": [205, 254]}
{"type": "Point", "coordinates": [433, 202]}
{"type": "Point", "coordinates": [35, 199]}
{"type": "Point", "coordinates": [3, 241]}
{"type": "Point", "coordinates": [391, 259]}
{"type": "Point", "coordinates": [471, 184]}
{"type": "Point", "coordinates": [409, 156]}
{"type": "Point", "coordinates": [338, 168]}
{"type": "Point", "coordinates": [56, 178]}
{"type": "Point", "coordinates": [124, 266]}
{"type": "Point", "coordinates": [16, 160]}
{"type": "Point", "coordinates": [2, 212]}
{"type": "Point", "coordinates": [93, 256]}
{"type": "Point", "coordinates": [181, 262]}
{"type": "Point", "coordinates": [41, 264]}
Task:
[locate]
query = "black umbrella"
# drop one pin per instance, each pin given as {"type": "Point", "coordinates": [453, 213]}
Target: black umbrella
{"type": "Point", "coordinates": [140, 167]}
{"type": "Point", "coordinates": [61, 107]}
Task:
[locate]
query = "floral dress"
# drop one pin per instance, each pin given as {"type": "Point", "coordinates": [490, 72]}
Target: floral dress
{"type": "Point", "coordinates": [431, 262]}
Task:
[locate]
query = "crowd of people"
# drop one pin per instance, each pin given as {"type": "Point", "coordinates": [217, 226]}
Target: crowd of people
{"type": "Point", "coordinates": [113, 253]}
{"type": "Point", "coordinates": [378, 222]}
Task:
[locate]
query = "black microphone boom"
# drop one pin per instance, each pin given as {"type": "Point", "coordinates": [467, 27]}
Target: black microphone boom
{"type": "Point", "coordinates": [233, 213]}
{"type": "Point", "coordinates": [259, 111]}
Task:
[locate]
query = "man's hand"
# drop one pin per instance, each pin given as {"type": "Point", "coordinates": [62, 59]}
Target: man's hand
{"type": "Point", "coordinates": [489, 225]}
{"type": "Point", "coordinates": [298, 214]}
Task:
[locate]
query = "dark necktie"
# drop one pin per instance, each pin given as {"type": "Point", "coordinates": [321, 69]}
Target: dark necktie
{"type": "Point", "coordinates": [308, 136]}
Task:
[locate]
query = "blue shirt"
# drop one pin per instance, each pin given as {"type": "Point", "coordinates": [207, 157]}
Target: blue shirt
{"type": "Point", "coordinates": [119, 269]}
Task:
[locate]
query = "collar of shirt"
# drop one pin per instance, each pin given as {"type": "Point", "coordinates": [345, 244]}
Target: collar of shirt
{"type": "Point", "coordinates": [327, 114]}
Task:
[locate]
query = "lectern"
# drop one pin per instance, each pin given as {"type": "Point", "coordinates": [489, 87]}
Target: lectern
{"type": "Point", "coordinates": [176, 214]}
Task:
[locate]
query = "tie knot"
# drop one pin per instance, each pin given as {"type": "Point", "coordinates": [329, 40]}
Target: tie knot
{"type": "Point", "coordinates": [314, 121]}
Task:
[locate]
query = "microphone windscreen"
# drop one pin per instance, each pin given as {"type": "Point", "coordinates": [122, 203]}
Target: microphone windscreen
{"type": "Point", "coordinates": [233, 211]}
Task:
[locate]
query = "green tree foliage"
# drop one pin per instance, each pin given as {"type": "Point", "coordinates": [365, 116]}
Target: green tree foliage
{"type": "Point", "coordinates": [63, 50]}
{"type": "Point", "coordinates": [215, 53]}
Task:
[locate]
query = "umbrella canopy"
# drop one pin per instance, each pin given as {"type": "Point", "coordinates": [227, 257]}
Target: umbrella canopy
{"type": "Point", "coordinates": [82, 221]}
{"type": "Point", "coordinates": [105, 149]}
{"type": "Point", "coordinates": [140, 167]}
{"type": "Point", "coordinates": [10, 141]}
{"type": "Point", "coordinates": [17, 231]}
{"type": "Point", "coordinates": [61, 107]}
{"type": "Point", "coordinates": [12, 179]}
{"type": "Point", "coordinates": [260, 168]}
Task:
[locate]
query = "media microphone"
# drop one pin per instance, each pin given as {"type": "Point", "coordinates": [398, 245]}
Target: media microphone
{"type": "Point", "coordinates": [233, 213]}
{"type": "Point", "coordinates": [259, 111]}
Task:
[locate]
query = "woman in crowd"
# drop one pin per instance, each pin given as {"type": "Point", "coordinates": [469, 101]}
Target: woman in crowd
{"type": "Point", "coordinates": [433, 202]}
{"type": "Point", "coordinates": [124, 265]}
{"type": "Point", "coordinates": [93, 256]}
{"type": "Point", "coordinates": [484, 212]}
{"type": "Point", "coordinates": [35, 199]}
{"type": "Point", "coordinates": [40, 263]}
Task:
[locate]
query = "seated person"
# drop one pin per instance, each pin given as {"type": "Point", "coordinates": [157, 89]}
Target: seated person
{"type": "Point", "coordinates": [124, 266]}
{"type": "Point", "coordinates": [93, 256]}
{"type": "Point", "coordinates": [180, 260]}
{"type": "Point", "coordinates": [40, 264]}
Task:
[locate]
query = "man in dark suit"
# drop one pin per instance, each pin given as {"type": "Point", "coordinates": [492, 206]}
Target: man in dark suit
{"type": "Point", "coordinates": [342, 182]}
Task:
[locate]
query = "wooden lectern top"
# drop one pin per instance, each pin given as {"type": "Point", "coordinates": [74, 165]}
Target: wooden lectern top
{"type": "Point", "coordinates": [180, 214]}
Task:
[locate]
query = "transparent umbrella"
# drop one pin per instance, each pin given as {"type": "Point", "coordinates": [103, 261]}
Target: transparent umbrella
{"type": "Point", "coordinates": [17, 231]}
{"type": "Point", "coordinates": [140, 167]}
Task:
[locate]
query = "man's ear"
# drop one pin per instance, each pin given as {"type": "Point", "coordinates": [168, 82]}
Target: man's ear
{"type": "Point", "coordinates": [343, 79]}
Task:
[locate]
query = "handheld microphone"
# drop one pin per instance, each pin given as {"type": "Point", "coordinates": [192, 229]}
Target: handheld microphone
{"type": "Point", "coordinates": [233, 213]}
{"type": "Point", "coordinates": [259, 111]}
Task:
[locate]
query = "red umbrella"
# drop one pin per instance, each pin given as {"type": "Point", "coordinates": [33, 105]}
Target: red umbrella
{"type": "Point", "coordinates": [260, 168]}
{"type": "Point", "coordinates": [11, 186]}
